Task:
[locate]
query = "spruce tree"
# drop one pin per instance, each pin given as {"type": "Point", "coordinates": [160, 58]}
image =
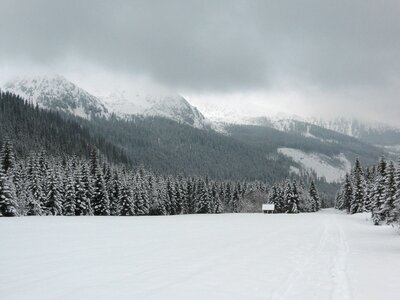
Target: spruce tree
{"type": "Point", "coordinates": [170, 203]}
{"type": "Point", "coordinates": [8, 203]}
{"type": "Point", "coordinates": [357, 201]}
{"type": "Point", "coordinates": [347, 196]}
{"type": "Point", "coordinates": [274, 199]}
{"type": "Point", "coordinates": [53, 199]}
{"type": "Point", "coordinates": [314, 197]}
{"type": "Point", "coordinates": [395, 216]}
{"type": "Point", "coordinates": [33, 207]}
{"type": "Point", "coordinates": [100, 202]}
{"type": "Point", "coordinates": [216, 206]}
{"type": "Point", "coordinates": [83, 193]}
{"type": "Point", "coordinates": [126, 202]}
{"type": "Point", "coordinates": [378, 213]}
{"type": "Point", "coordinates": [70, 201]}
{"type": "Point", "coordinates": [7, 157]}
{"type": "Point", "coordinates": [114, 196]}
{"type": "Point", "coordinates": [158, 205]}
{"type": "Point", "coordinates": [236, 200]}
{"type": "Point", "coordinates": [294, 202]}
{"type": "Point", "coordinates": [204, 201]}
{"type": "Point", "coordinates": [389, 194]}
{"type": "Point", "coordinates": [141, 196]}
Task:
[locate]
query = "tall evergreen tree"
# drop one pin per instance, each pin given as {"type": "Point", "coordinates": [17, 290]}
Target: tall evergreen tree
{"type": "Point", "coordinates": [396, 211]}
{"type": "Point", "coordinates": [8, 204]}
{"type": "Point", "coordinates": [83, 193]}
{"type": "Point", "coordinates": [357, 201]}
{"type": "Point", "coordinates": [389, 195]}
{"type": "Point", "coordinates": [114, 195]}
{"type": "Point", "coordinates": [7, 157]}
{"type": "Point", "coordinates": [314, 197]}
{"type": "Point", "coordinates": [347, 195]}
{"type": "Point", "coordinates": [53, 199]}
{"type": "Point", "coordinates": [100, 201]}
{"type": "Point", "coordinates": [126, 202]}
{"type": "Point", "coordinates": [236, 200]}
{"type": "Point", "coordinates": [204, 201]}
{"type": "Point", "coordinates": [70, 202]}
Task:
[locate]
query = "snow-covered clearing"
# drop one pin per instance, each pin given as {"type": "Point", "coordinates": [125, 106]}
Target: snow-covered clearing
{"type": "Point", "coordinates": [326, 255]}
{"type": "Point", "coordinates": [332, 168]}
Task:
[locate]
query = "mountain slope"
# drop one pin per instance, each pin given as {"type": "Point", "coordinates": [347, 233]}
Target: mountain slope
{"type": "Point", "coordinates": [309, 146]}
{"type": "Point", "coordinates": [57, 93]}
{"type": "Point", "coordinates": [173, 107]}
{"type": "Point", "coordinates": [374, 133]}
{"type": "Point", "coordinates": [33, 129]}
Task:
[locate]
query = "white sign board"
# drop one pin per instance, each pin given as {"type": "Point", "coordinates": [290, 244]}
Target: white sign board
{"type": "Point", "coordinates": [268, 207]}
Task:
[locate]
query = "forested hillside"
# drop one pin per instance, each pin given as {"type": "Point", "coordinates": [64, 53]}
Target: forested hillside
{"type": "Point", "coordinates": [374, 189]}
{"type": "Point", "coordinates": [33, 129]}
{"type": "Point", "coordinates": [161, 145]}
{"type": "Point", "coordinates": [158, 143]}
{"type": "Point", "coordinates": [49, 185]}
{"type": "Point", "coordinates": [306, 137]}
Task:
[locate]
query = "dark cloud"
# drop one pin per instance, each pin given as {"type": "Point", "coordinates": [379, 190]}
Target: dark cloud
{"type": "Point", "coordinates": [217, 46]}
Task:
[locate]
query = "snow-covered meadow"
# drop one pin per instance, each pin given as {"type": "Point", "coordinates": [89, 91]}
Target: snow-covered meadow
{"type": "Point", "coordinates": [325, 255]}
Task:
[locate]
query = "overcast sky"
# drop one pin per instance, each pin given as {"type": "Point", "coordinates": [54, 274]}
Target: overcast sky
{"type": "Point", "coordinates": [305, 57]}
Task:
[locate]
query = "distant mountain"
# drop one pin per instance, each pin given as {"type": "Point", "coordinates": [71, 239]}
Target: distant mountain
{"type": "Point", "coordinates": [312, 148]}
{"type": "Point", "coordinates": [302, 146]}
{"type": "Point", "coordinates": [378, 134]}
{"type": "Point", "coordinates": [57, 93]}
{"type": "Point", "coordinates": [173, 107]}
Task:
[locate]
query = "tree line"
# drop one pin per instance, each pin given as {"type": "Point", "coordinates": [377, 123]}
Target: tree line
{"type": "Point", "coordinates": [42, 184]}
{"type": "Point", "coordinates": [374, 189]}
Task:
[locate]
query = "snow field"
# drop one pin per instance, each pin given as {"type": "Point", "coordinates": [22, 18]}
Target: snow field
{"type": "Point", "coordinates": [319, 163]}
{"type": "Point", "coordinates": [325, 255]}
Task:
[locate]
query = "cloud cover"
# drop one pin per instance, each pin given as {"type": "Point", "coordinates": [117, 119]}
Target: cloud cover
{"type": "Point", "coordinates": [339, 55]}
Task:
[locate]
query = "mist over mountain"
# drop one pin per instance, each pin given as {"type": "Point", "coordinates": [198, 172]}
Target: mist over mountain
{"type": "Point", "coordinates": [309, 146]}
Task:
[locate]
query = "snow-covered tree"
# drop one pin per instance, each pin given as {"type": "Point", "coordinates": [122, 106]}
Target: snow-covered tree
{"type": "Point", "coordinates": [7, 157]}
{"type": "Point", "coordinates": [100, 202]}
{"type": "Point", "coordinates": [216, 200]}
{"type": "Point", "coordinates": [54, 199]}
{"type": "Point", "coordinates": [294, 200]}
{"type": "Point", "coordinates": [83, 192]}
{"type": "Point", "coordinates": [347, 194]}
{"type": "Point", "coordinates": [236, 200]}
{"type": "Point", "coordinates": [8, 203]}
{"type": "Point", "coordinates": [114, 195]}
{"type": "Point", "coordinates": [357, 201]}
{"type": "Point", "coordinates": [204, 200]}
{"type": "Point", "coordinates": [315, 200]}
{"type": "Point", "coordinates": [70, 201]}
{"type": "Point", "coordinates": [126, 202]}
{"type": "Point", "coordinates": [395, 216]}
{"type": "Point", "coordinates": [389, 195]}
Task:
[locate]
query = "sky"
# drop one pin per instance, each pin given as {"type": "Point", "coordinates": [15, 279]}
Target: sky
{"type": "Point", "coordinates": [309, 57]}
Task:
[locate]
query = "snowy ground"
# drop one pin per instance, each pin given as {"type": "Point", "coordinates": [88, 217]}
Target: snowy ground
{"type": "Point", "coordinates": [324, 255]}
{"type": "Point", "coordinates": [333, 169]}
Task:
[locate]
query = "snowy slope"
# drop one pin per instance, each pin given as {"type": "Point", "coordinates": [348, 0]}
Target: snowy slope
{"type": "Point", "coordinates": [221, 114]}
{"type": "Point", "coordinates": [372, 132]}
{"type": "Point", "coordinates": [173, 107]}
{"type": "Point", "coordinates": [326, 255]}
{"type": "Point", "coordinates": [333, 169]}
{"type": "Point", "coordinates": [57, 93]}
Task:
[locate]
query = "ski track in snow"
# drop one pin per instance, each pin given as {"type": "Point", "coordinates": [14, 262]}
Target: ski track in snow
{"type": "Point", "coordinates": [325, 255]}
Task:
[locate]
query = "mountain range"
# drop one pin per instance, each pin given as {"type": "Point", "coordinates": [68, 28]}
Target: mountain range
{"type": "Point", "coordinates": [313, 145]}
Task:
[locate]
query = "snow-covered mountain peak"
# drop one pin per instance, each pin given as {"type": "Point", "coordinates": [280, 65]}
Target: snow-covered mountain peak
{"type": "Point", "coordinates": [171, 106]}
{"type": "Point", "coordinates": [57, 93]}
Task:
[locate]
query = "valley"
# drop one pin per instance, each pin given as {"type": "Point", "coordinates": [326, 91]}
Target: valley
{"type": "Point", "coordinates": [325, 255]}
